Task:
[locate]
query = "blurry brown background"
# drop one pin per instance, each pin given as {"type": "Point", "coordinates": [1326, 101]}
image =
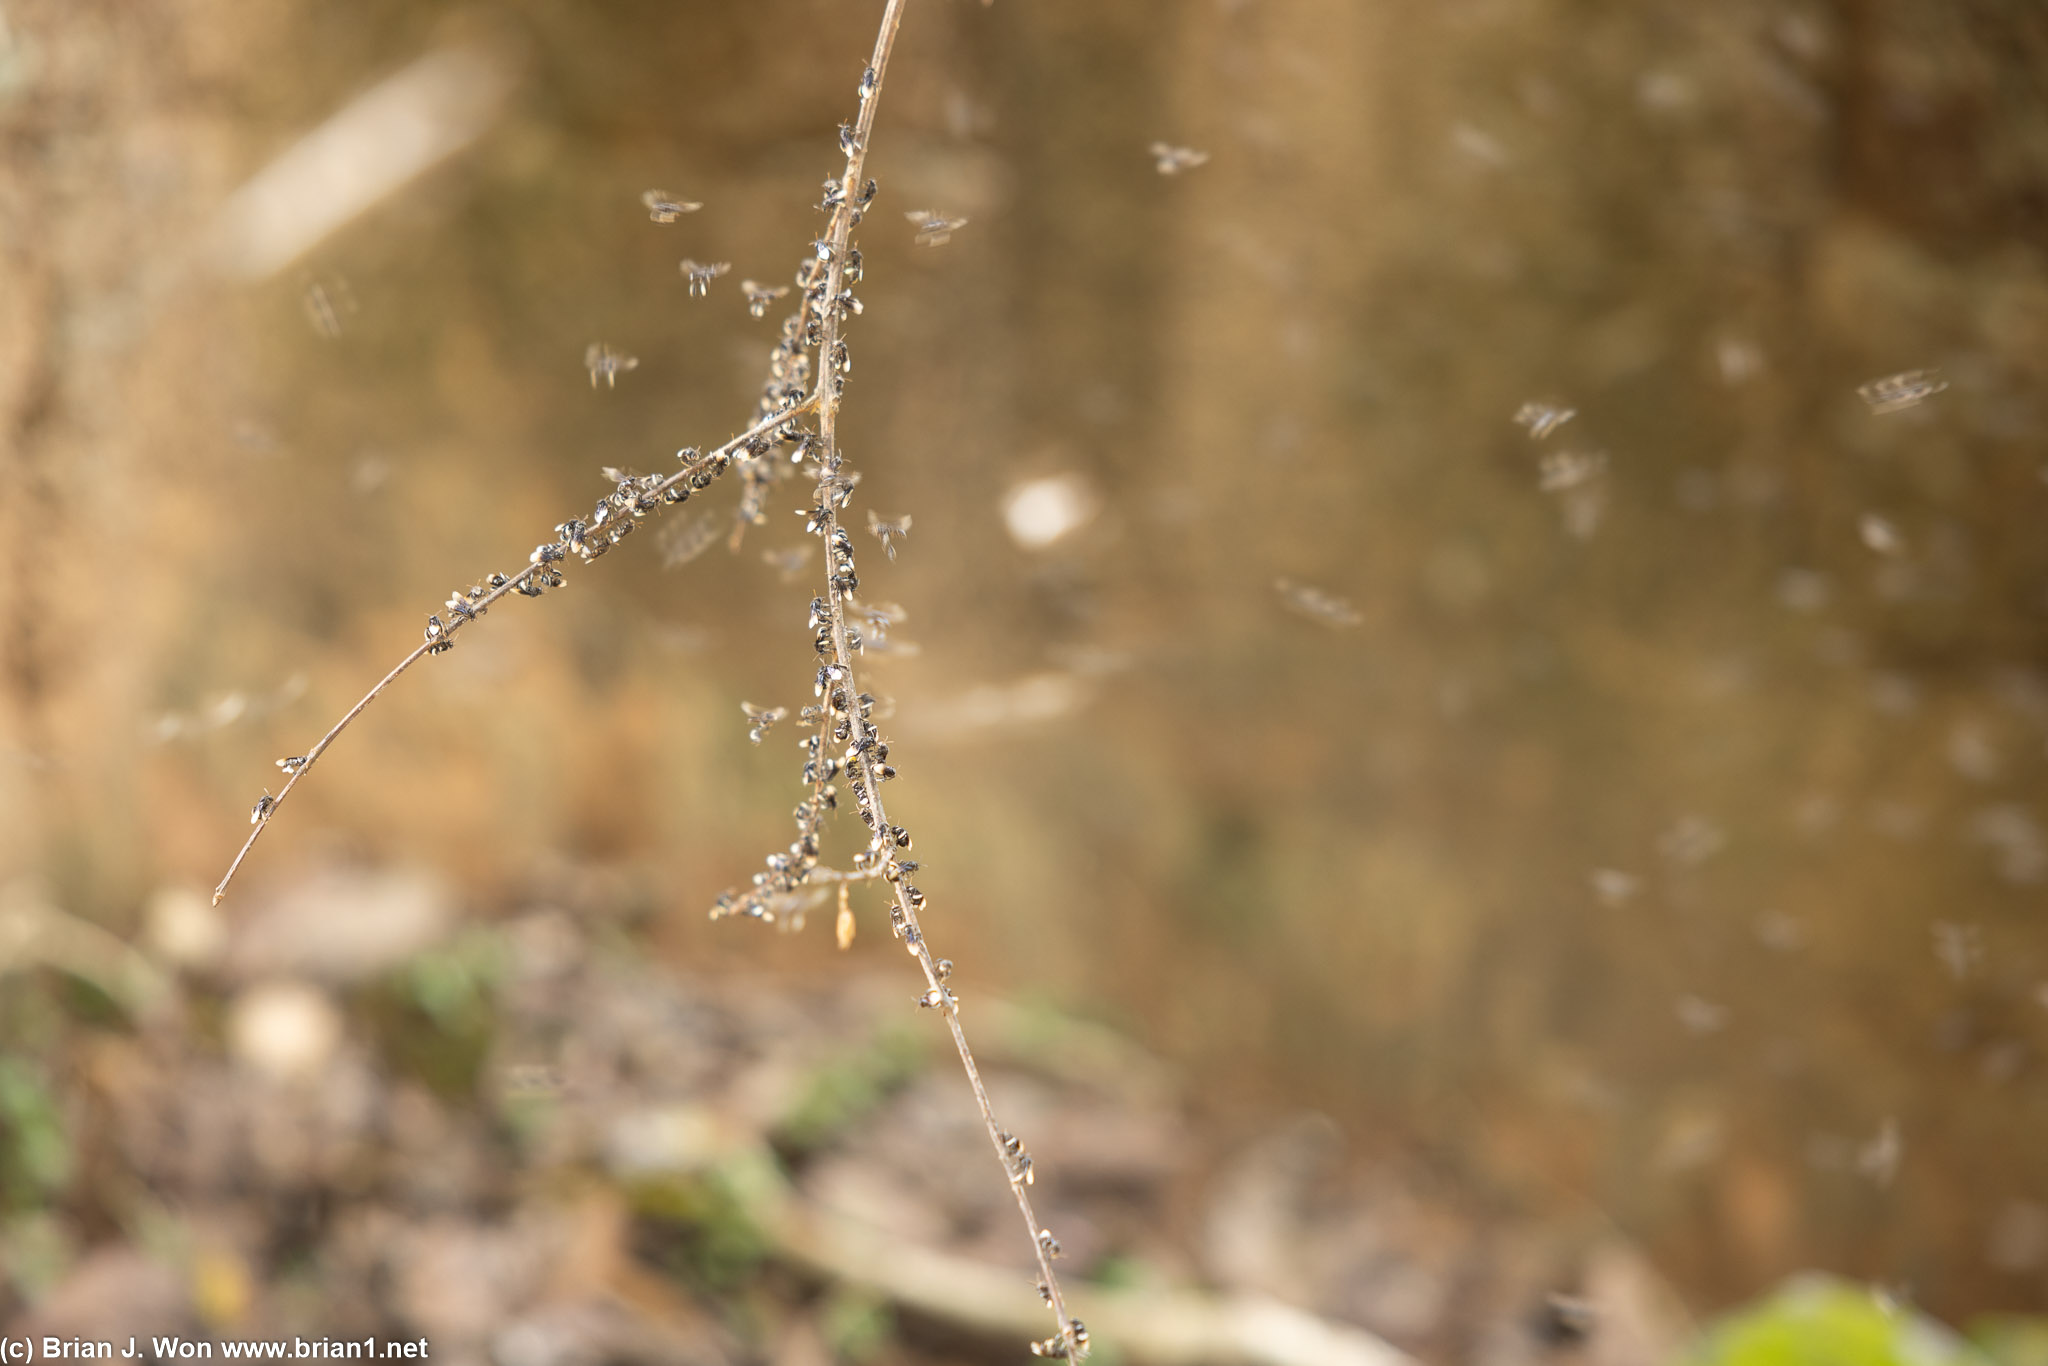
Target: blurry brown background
{"type": "Point", "coordinates": [1670, 846]}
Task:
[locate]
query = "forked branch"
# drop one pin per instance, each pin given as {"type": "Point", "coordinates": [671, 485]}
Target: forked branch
{"type": "Point", "coordinates": [845, 741]}
{"type": "Point", "coordinates": [611, 520]}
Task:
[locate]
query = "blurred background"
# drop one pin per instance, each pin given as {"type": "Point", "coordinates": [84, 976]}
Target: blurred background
{"type": "Point", "coordinates": [1459, 869]}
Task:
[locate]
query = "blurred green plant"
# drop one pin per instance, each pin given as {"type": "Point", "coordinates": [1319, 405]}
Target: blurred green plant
{"type": "Point", "coordinates": [35, 1152]}
{"type": "Point", "coordinates": [434, 1018]}
{"type": "Point", "coordinates": [36, 1250]}
{"type": "Point", "coordinates": [2012, 1339]}
{"type": "Point", "coordinates": [1817, 1320]}
{"type": "Point", "coordinates": [698, 1229]}
{"type": "Point", "coordinates": [844, 1090]}
{"type": "Point", "coordinates": [856, 1327]}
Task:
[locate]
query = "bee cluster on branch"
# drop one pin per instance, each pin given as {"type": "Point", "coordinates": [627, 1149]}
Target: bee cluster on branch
{"type": "Point", "coordinates": [796, 430]}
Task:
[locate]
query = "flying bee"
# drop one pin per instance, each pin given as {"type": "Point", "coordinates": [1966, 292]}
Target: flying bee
{"type": "Point", "coordinates": [327, 304]}
{"type": "Point", "coordinates": [1309, 601]}
{"type": "Point", "coordinates": [1172, 160]}
{"type": "Point", "coordinates": [604, 363]}
{"type": "Point", "coordinates": [761, 720]}
{"type": "Point", "coordinates": [1542, 418]}
{"type": "Point", "coordinates": [1907, 389]}
{"type": "Point", "coordinates": [759, 296]}
{"type": "Point", "coordinates": [1560, 471]}
{"type": "Point", "coordinates": [701, 276]}
{"type": "Point", "coordinates": [788, 564]}
{"type": "Point", "coordinates": [663, 207]}
{"type": "Point", "coordinates": [888, 532]}
{"type": "Point", "coordinates": [1880, 535]}
{"type": "Point", "coordinates": [934, 229]}
{"type": "Point", "coordinates": [878, 618]}
{"type": "Point", "coordinates": [686, 540]}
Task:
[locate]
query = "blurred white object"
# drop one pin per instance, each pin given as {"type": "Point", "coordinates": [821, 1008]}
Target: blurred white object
{"type": "Point", "coordinates": [183, 927]}
{"type": "Point", "coordinates": [1039, 512]}
{"type": "Point", "coordinates": [346, 925]}
{"type": "Point", "coordinates": [1036, 698]}
{"type": "Point", "coordinates": [284, 1029]}
{"type": "Point", "coordinates": [376, 143]}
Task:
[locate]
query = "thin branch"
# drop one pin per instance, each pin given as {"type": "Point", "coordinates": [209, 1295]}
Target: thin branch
{"type": "Point", "coordinates": [648, 496]}
{"type": "Point", "coordinates": [842, 704]}
{"type": "Point", "coordinates": [1167, 1327]}
{"type": "Point", "coordinates": [812, 348]}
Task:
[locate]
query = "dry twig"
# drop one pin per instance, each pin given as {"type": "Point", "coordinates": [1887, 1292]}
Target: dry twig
{"type": "Point", "coordinates": [845, 740]}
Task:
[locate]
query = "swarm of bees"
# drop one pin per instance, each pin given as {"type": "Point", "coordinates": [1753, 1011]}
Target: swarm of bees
{"type": "Point", "coordinates": [934, 229]}
{"type": "Point", "coordinates": [1172, 160]}
{"type": "Point", "coordinates": [700, 276]}
{"type": "Point", "coordinates": [664, 207]}
{"type": "Point", "coordinates": [1907, 389]}
{"type": "Point", "coordinates": [604, 363]}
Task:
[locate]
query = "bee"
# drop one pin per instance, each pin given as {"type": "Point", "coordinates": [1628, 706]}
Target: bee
{"type": "Point", "coordinates": [1018, 1159]}
{"type": "Point", "coordinates": [1561, 471]}
{"type": "Point", "coordinates": [1056, 1345]}
{"type": "Point", "coordinates": [1312, 602]}
{"type": "Point", "coordinates": [759, 296]}
{"type": "Point", "coordinates": [1880, 535]}
{"type": "Point", "coordinates": [701, 276]}
{"type": "Point", "coordinates": [761, 720]}
{"type": "Point", "coordinates": [1613, 886]}
{"type": "Point", "coordinates": [1542, 418]}
{"type": "Point", "coordinates": [1907, 389]}
{"type": "Point", "coordinates": [1173, 160]}
{"type": "Point", "coordinates": [934, 229]}
{"type": "Point", "coordinates": [292, 765]}
{"type": "Point", "coordinates": [888, 532]}
{"type": "Point", "coordinates": [663, 207]}
{"type": "Point", "coordinates": [604, 363]}
{"type": "Point", "coordinates": [685, 541]}
{"type": "Point", "coordinates": [326, 305]}
{"type": "Point", "coordinates": [260, 812]}
{"type": "Point", "coordinates": [788, 564]}
{"type": "Point", "coordinates": [1565, 1320]}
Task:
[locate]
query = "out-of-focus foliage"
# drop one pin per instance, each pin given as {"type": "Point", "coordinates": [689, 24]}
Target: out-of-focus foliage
{"type": "Point", "coordinates": [1820, 1321]}
{"type": "Point", "coordinates": [35, 1152]}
